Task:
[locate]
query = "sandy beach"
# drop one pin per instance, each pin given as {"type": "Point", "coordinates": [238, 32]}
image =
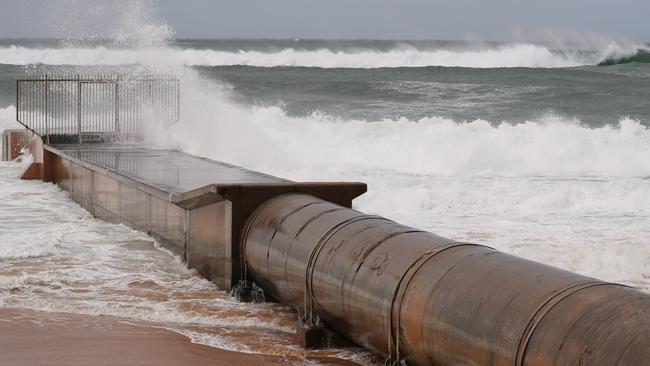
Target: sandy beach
{"type": "Point", "coordinates": [29, 338]}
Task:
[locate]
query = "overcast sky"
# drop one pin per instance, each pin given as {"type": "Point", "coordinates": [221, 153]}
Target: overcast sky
{"type": "Point", "coordinates": [385, 19]}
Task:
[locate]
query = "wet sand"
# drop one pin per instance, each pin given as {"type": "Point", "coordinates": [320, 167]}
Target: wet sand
{"type": "Point", "coordinates": [32, 338]}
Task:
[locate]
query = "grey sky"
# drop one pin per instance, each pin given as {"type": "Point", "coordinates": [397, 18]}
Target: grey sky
{"type": "Point", "coordinates": [401, 19]}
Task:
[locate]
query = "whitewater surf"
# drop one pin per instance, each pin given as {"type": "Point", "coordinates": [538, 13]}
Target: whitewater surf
{"type": "Point", "coordinates": [535, 149]}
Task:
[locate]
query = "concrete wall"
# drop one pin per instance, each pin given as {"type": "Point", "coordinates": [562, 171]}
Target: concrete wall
{"type": "Point", "coordinates": [201, 236]}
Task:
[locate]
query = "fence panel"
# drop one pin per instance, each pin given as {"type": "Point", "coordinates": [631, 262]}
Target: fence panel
{"type": "Point", "coordinates": [84, 108]}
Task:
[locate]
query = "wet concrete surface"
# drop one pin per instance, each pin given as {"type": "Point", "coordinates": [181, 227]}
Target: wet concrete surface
{"type": "Point", "coordinates": [168, 170]}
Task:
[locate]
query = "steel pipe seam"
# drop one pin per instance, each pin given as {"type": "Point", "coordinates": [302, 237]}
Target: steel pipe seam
{"type": "Point", "coordinates": [480, 304]}
{"type": "Point", "coordinates": [470, 297]}
{"type": "Point", "coordinates": [354, 280]}
{"type": "Point", "coordinates": [465, 304]}
{"type": "Point", "coordinates": [598, 325]}
{"type": "Point", "coordinates": [270, 240]}
{"type": "Point", "coordinates": [543, 309]}
{"type": "Point", "coordinates": [305, 200]}
{"type": "Point", "coordinates": [245, 231]}
{"type": "Point", "coordinates": [308, 306]}
{"type": "Point", "coordinates": [370, 233]}
{"type": "Point", "coordinates": [393, 334]}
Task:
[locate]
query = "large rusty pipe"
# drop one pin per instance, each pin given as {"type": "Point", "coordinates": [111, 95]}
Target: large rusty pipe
{"type": "Point", "coordinates": [413, 296]}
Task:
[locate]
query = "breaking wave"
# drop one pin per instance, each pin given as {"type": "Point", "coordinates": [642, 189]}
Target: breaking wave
{"type": "Point", "coordinates": [309, 147]}
{"type": "Point", "coordinates": [510, 55]}
{"type": "Point", "coordinates": [641, 56]}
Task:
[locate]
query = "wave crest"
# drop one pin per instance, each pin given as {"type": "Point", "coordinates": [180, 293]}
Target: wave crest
{"type": "Point", "coordinates": [317, 145]}
{"type": "Point", "coordinates": [512, 55]}
{"type": "Point", "coordinates": [641, 56]}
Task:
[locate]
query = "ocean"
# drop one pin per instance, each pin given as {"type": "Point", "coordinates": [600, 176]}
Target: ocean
{"type": "Point", "coordinates": [538, 150]}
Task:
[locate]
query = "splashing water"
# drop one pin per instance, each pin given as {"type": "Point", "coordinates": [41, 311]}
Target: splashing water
{"type": "Point", "coordinates": [55, 257]}
{"type": "Point", "coordinates": [549, 189]}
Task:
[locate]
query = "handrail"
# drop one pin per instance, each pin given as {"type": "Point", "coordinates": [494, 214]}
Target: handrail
{"type": "Point", "coordinates": [96, 106]}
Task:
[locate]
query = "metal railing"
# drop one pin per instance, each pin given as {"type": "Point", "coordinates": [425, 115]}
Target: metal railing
{"type": "Point", "coordinates": [84, 108]}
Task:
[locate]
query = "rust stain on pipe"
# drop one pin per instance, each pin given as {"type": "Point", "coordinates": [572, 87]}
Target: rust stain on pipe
{"type": "Point", "coordinates": [413, 296]}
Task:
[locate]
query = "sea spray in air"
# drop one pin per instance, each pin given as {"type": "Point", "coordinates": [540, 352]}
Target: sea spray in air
{"type": "Point", "coordinates": [551, 187]}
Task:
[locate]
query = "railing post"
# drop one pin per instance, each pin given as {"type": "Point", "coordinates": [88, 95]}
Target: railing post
{"type": "Point", "coordinates": [47, 117]}
{"type": "Point", "coordinates": [79, 107]}
{"type": "Point", "coordinates": [117, 104]}
{"type": "Point", "coordinates": [18, 101]}
{"type": "Point", "coordinates": [178, 101]}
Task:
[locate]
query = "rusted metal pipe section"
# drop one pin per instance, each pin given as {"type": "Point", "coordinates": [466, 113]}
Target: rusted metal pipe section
{"type": "Point", "coordinates": [412, 296]}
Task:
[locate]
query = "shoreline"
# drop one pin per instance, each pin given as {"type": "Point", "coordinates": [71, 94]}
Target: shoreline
{"type": "Point", "coordinates": [30, 337]}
